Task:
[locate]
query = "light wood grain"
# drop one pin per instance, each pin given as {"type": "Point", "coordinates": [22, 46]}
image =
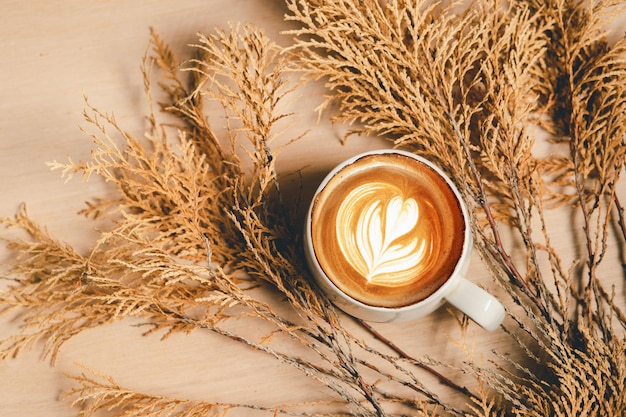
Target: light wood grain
{"type": "Point", "coordinates": [54, 53]}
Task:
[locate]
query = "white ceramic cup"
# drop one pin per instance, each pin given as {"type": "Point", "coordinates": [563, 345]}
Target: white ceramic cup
{"type": "Point", "coordinates": [482, 307]}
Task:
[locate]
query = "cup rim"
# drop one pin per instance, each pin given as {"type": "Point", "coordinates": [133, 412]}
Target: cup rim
{"type": "Point", "coordinates": [440, 292]}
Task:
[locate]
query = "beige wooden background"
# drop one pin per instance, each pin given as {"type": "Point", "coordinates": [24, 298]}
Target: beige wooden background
{"type": "Point", "coordinates": [52, 53]}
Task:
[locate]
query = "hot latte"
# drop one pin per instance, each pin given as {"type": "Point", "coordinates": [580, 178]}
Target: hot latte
{"type": "Point", "coordinates": [387, 230]}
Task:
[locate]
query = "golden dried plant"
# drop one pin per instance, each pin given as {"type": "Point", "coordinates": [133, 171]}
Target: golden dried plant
{"type": "Point", "coordinates": [199, 226]}
{"type": "Point", "coordinates": [472, 89]}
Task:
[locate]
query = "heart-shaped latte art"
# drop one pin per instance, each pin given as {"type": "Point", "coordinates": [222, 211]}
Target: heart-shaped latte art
{"type": "Point", "coordinates": [376, 233]}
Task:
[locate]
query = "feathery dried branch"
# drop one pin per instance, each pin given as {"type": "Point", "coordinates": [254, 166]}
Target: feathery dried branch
{"type": "Point", "coordinates": [470, 89]}
{"type": "Point", "coordinates": [194, 236]}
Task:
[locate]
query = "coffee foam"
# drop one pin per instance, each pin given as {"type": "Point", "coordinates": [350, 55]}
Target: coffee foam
{"type": "Point", "coordinates": [377, 231]}
{"type": "Point", "coordinates": [387, 230]}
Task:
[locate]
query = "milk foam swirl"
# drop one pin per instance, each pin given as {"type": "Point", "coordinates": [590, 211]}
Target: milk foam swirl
{"type": "Point", "coordinates": [376, 230]}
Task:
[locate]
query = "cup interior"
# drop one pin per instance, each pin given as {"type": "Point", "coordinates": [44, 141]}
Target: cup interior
{"type": "Point", "coordinates": [397, 215]}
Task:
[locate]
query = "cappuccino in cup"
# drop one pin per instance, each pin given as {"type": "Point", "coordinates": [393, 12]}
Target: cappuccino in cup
{"type": "Point", "coordinates": [387, 238]}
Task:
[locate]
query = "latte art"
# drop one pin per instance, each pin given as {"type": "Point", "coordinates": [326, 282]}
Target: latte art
{"type": "Point", "coordinates": [381, 244]}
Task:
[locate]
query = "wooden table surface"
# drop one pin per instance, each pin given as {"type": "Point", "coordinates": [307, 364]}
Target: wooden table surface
{"type": "Point", "coordinates": [54, 53]}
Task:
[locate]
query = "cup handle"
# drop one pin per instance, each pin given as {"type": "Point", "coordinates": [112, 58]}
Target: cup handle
{"type": "Point", "coordinates": [477, 304]}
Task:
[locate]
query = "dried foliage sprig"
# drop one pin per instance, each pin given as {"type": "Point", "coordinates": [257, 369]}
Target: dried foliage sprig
{"type": "Point", "coordinates": [200, 229]}
{"type": "Point", "coordinates": [199, 232]}
{"type": "Point", "coordinates": [470, 89]}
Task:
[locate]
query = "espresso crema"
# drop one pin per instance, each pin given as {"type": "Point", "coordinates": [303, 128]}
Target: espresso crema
{"type": "Point", "coordinates": [387, 230]}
